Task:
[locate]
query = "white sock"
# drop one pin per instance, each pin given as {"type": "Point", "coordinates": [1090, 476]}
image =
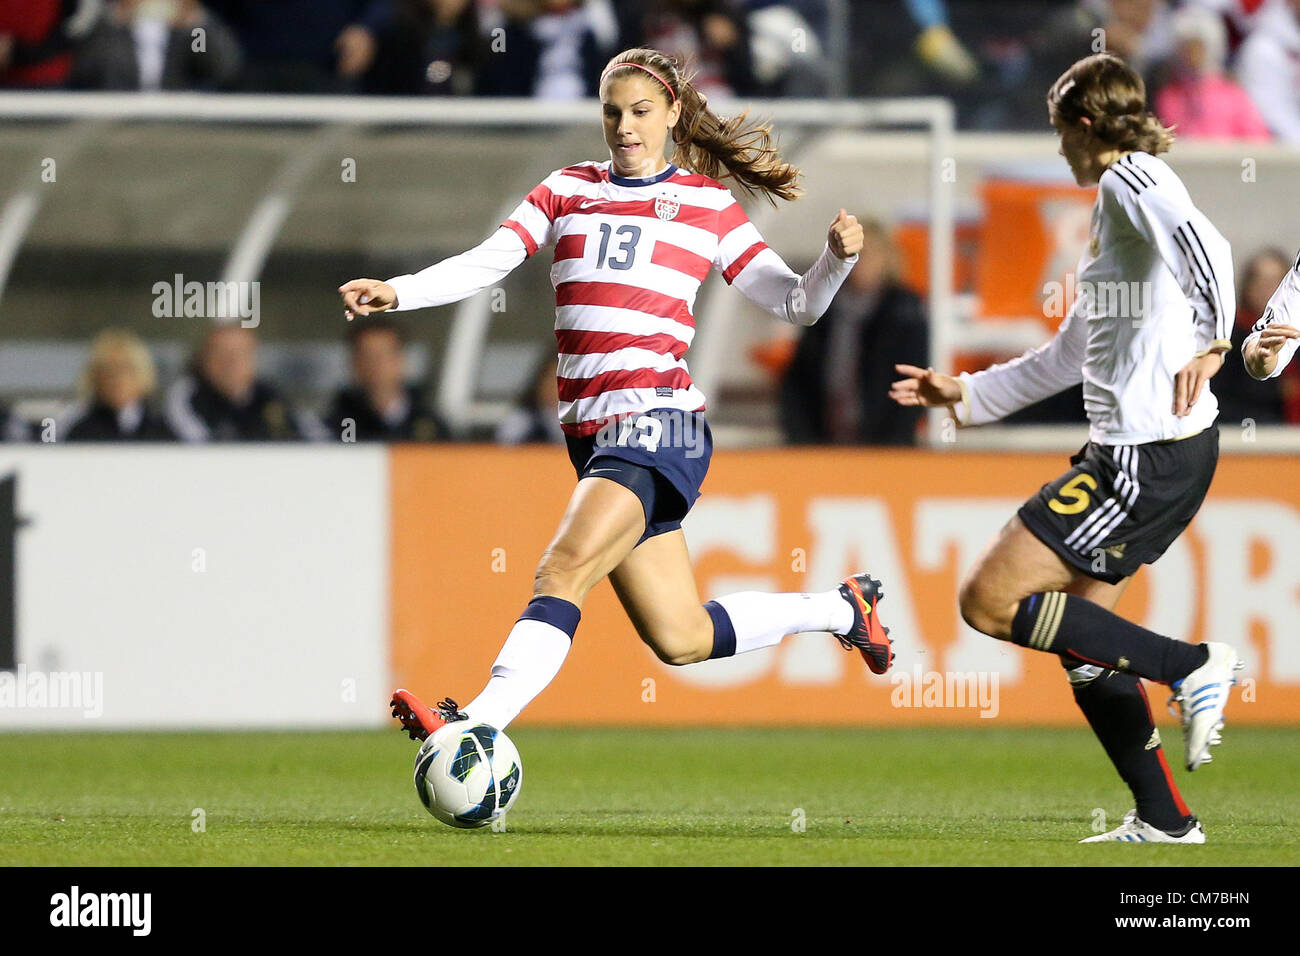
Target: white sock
{"type": "Point", "coordinates": [761, 619]}
{"type": "Point", "coordinates": [529, 660]}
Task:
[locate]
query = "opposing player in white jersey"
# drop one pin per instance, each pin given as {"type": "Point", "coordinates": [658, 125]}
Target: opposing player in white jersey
{"type": "Point", "coordinates": [634, 237]}
{"type": "Point", "coordinates": [1275, 337]}
{"type": "Point", "coordinates": [1147, 332]}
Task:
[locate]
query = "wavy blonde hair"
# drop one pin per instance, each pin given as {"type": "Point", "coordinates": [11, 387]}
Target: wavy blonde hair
{"type": "Point", "coordinates": [107, 345]}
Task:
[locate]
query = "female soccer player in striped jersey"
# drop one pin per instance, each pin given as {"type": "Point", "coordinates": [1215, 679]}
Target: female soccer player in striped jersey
{"type": "Point", "coordinates": [634, 237]}
{"type": "Point", "coordinates": [1275, 337]}
{"type": "Point", "coordinates": [1145, 335]}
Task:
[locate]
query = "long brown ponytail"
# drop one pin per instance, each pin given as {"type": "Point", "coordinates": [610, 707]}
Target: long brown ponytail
{"type": "Point", "coordinates": [716, 146]}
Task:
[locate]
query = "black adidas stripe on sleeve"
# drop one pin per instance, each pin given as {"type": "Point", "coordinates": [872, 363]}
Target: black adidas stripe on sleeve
{"type": "Point", "coordinates": [1202, 273]}
{"type": "Point", "coordinates": [1142, 175]}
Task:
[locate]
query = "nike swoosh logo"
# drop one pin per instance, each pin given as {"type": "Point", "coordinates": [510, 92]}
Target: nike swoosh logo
{"type": "Point", "coordinates": [589, 202]}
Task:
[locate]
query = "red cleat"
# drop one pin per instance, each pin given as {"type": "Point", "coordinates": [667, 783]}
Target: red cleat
{"type": "Point", "coordinates": [419, 720]}
{"type": "Point", "coordinates": [868, 635]}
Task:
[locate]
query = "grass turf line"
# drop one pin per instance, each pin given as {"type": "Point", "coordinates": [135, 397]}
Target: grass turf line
{"type": "Point", "coordinates": [632, 797]}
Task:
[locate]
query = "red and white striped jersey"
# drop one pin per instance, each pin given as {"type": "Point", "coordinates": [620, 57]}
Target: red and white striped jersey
{"type": "Point", "coordinates": [629, 257]}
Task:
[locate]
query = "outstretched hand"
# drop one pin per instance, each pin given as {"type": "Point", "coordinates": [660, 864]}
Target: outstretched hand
{"type": "Point", "coordinates": [924, 387]}
{"type": "Point", "coordinates": [1273, 337]}
{"type": "Point", "coordinates": [845, 237]}
{"type": "Point", "coordinates": [363, 296]}
{"type": "Point", "coordinates": [1261, 355]}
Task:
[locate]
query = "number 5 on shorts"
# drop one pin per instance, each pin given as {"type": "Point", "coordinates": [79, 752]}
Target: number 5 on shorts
{"type": "Point", "coordinates": [1072, 499]}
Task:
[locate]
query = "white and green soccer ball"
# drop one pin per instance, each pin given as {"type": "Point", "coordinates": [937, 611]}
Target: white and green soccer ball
{"type": "Point", "coordinates": [468, 774]}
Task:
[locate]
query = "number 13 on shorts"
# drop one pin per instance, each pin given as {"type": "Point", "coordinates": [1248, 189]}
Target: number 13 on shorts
{"type": "Point", "coordinates": [648, 431]}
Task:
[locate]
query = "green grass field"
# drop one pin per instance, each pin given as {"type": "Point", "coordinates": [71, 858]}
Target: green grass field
{"type": "Point", "coordinates": [630, 797]}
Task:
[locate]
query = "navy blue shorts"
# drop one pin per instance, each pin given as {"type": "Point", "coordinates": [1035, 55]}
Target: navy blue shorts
{"type": "Point", "coordinates": [660, 455]}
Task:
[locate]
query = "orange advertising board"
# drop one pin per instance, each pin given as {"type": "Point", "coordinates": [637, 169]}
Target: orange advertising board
{"type": "Point", "coordinates": [469, 524]}
{"type": "Point", "coordinates": [1032, 234]}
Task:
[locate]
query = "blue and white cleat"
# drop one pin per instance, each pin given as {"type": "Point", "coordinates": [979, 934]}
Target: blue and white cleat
{"type": "Point", "coordinates": [1201, 697]}
{"type": "Point", "coordinates": [1134, 830]}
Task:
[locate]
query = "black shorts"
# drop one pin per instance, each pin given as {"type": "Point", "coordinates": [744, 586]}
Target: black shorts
{"type": "Point", "coordinates": [1122, 506]}
{"type": "Point", "coordinates": [660, 455]}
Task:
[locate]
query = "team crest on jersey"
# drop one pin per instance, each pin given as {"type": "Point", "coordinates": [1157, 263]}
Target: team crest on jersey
{"type": "Point", "coordinates": [1094, 245]}
{"type": "Point", "coordinates": [667, 209]}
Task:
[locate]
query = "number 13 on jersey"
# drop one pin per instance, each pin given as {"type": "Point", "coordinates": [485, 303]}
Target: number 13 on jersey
{"type": "Point", "coordinates": [629, 236]}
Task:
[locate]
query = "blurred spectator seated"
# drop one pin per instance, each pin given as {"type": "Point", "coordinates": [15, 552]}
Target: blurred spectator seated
{"type": "Point", "coordinates": [116, 386]}
{"type": "Point", "coordinates": [789, 57]}
{"type": "Point", "coordinates": [380, 405]}
{"type": "Point", "coordinates": [550, 49]}
{"type": "Point", "coordinates": [1199, 100]}
{"type": "Point", "coordinates": [1268, 66]}
{"type": "Point", "coordinates": [1274, 400]}
{"type": "Point", "coordinates": [431, 47]}
{"type": "Point", "coordinates": [711, 36]}
{"type": "Point", "coordinates": [306, 46]}
{"type": "Point", "coordinates": [1138, 31]}
{"type": "Point", "coordinates": [836, 389]}
{"type": "Point", "coordinates": [937, 46]}
{"type": "Point", "coordinates": [535, 417]}
{"type": "Point", "coordinates": [157, 45]}
{"type": "Point", "coordinates": [222, 399]}
{"type": "Point", "coordinates": [36, 40]}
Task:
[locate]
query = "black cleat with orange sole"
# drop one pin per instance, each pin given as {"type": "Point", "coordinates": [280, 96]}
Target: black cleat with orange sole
{"type": "Point", "coordinates": [868, 635]}
{"type": "Point", "coordinates": [418, 719]}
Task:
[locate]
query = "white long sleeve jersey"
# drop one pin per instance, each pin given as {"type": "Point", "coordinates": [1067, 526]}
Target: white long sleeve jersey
{"type": "Point", "coordinates": [630, 255]}
{"type": "Point", "coordinates": [1283, 309]}
{"type": "Point", "coordinates": [1155, 288]}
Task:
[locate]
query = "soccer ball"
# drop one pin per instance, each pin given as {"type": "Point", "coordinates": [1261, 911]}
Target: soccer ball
{"type": "Point", "coordinates": [468, 774]}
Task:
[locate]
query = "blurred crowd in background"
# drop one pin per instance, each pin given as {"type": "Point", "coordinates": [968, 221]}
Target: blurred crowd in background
{"type": "Point", "coordinates": [833, 388]}
{"type": "Point", "coordinates": [1216, 68]}
{"type": "Point", "coordinates": [222, 397]}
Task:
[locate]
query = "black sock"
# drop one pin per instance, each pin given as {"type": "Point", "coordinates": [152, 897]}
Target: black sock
{"type": "Point", "coordinates": [1077, 628]}
{"type": "Point", "coordinates": [1118, 711]}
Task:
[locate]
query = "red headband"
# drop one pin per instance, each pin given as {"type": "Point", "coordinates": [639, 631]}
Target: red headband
{"type": "Point", "coordinates": [618, 66]}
